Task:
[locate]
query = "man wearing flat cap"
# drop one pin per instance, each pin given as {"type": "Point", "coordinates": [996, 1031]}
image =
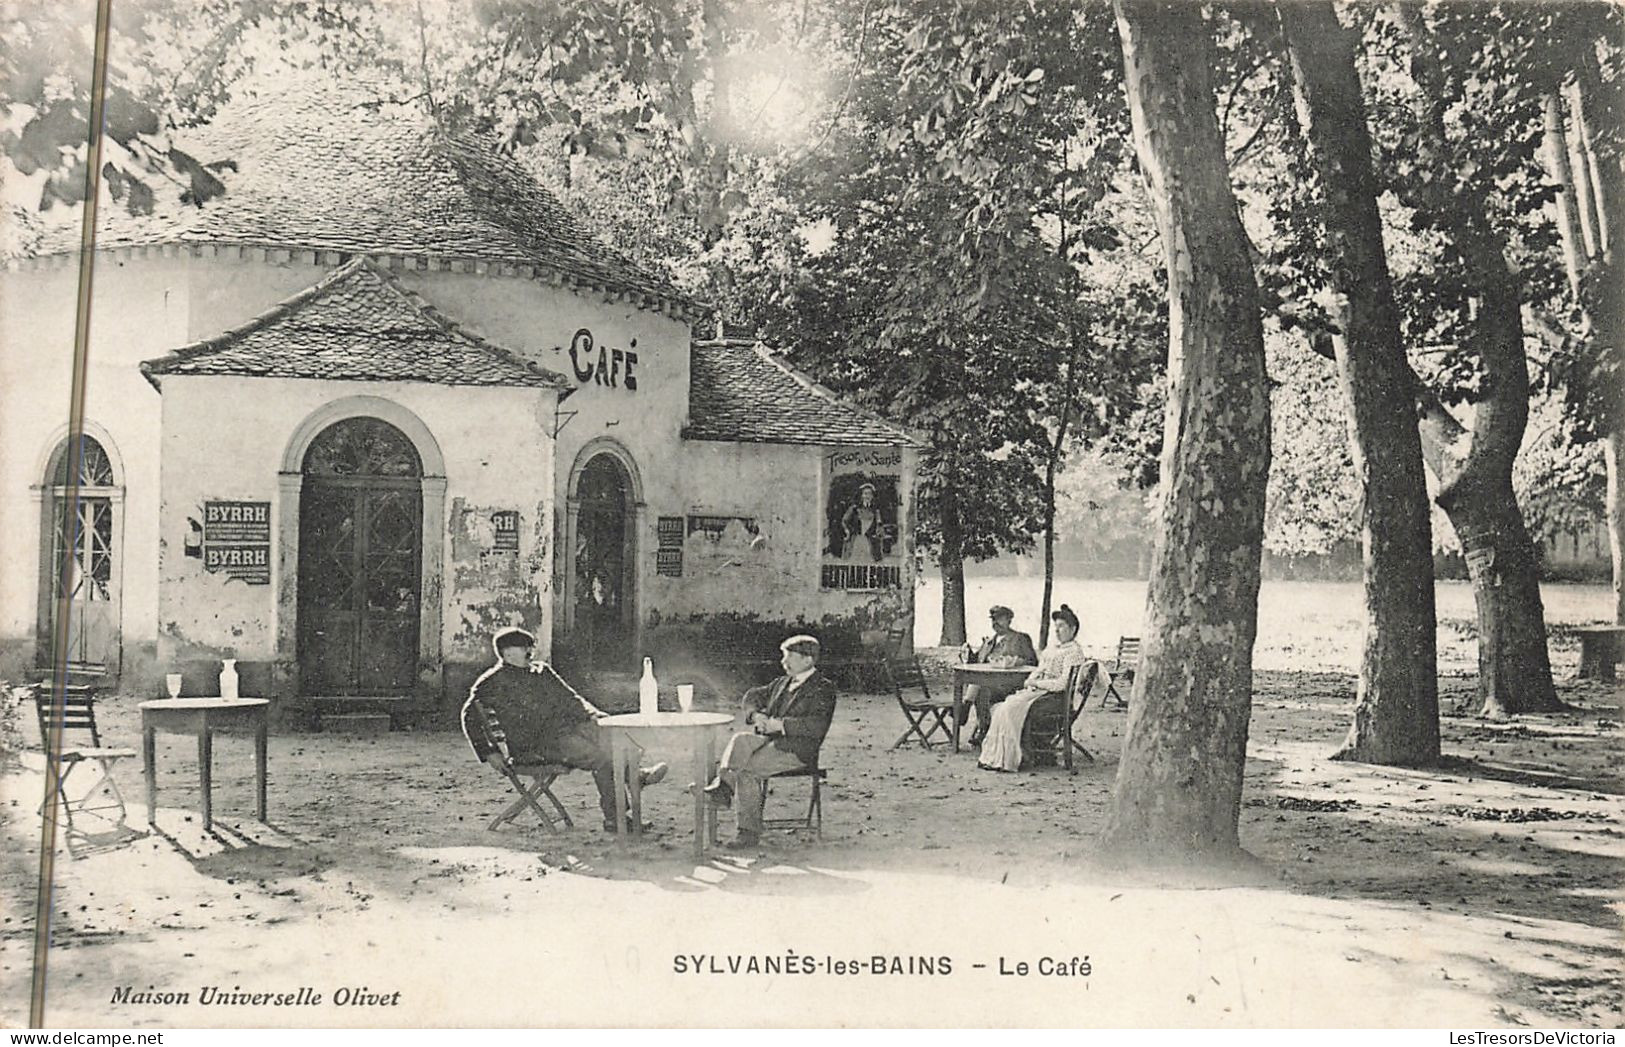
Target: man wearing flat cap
{"type": "Point", "coordinates": [1007, 649]}
{"type": "Point", "coordinates": [544, 718]}
{"type": "Point", "coordinates": [786, 720]}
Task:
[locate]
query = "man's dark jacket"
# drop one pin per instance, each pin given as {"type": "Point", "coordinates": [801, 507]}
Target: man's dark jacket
{"type": "Point", "coordinates": [532, 707]}
{"type": "Point", "coordinates": [806, 712]}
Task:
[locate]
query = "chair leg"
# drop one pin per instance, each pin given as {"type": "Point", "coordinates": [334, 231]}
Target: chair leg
{"type": "Point", "coordinates": [547, 790]}
{"type": "Point", "coordinates": [527, 798]}
{"type": "Point", "coordinates": [66, 806]}
{"type": "Point", "coordinates": [913, 730]}
{"type": "Point", "coordinates": [508, 814]}
{"type": "Point", "coordinates": [59, 778]}
{"type": "Point", "coordinates": [917, 726]}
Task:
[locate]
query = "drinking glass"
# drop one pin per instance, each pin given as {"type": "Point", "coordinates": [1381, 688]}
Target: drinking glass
{"type": "Point", "coordinates": [172, 681]}
{"type": "Point", "coordinates": [685, 697]}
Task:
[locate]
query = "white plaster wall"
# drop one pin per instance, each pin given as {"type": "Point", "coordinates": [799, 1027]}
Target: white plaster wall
{"type": "Point", "coordinates": [225, 438]}
{"type": "Point", "coordinates": [776, 577]}
{"type": "Point", "coordinates": [538, 320]}
{"type": "Point", "coordinates": [139, 311]}
{"type": "Point", "coordinates": [232, 285]}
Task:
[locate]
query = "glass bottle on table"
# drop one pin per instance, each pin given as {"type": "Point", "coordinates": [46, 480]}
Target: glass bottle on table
{"type": "Point", "coordinates": [648, 690]}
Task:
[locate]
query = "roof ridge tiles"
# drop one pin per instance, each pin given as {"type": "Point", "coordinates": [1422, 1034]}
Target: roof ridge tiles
{"type": "Point", "coordinates": [740, 391]}
{"type": "Point", "coordinates": [203, 346]}
{"type": "Point", "coordinates": [336, 166]}
{"type": "Point", "coordinates": [378, 281]}
{"type": "Point", "coordinates": [817, 388]}
{"type": "Point", "coordinates": [452, 328]}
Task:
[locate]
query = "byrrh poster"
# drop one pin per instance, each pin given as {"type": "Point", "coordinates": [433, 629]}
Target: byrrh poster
{"type": "Point", "coordinates": [374, 659]}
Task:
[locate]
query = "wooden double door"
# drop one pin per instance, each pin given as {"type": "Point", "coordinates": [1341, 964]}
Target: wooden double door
{"type": "Point", "coordinates": [360, 567]}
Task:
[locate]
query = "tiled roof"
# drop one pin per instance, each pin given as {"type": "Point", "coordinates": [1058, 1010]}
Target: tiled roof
{"type": "Point", "coordinates": [358, 325]}
{"type": "Point", "coordinates": [739, 391]}
{"type": "Point", "coordinates": [324, 167]}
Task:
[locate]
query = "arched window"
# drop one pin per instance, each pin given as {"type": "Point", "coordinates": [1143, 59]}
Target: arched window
{"type": "Point", "coordinates": [95, 468]}
{"type": "Point", "coordinates": [79, 554]}
{"type": "Point", "coordinates": [362, 447]}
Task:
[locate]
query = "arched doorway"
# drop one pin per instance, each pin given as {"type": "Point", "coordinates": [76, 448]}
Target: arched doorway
{"type": "Point", "coordinates": [603, 564]}
{"type": "Point", "coordinates": [80, 551]}
{"type": "Point", "coordinates": [360, 561]}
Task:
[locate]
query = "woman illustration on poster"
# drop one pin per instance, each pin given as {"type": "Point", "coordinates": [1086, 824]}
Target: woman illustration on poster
{"type": "Point", "coordinates": [862, 523]}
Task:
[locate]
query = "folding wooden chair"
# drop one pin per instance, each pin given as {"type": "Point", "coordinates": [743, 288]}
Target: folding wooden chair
{"type": "Point", "coordinates": [77, 713]}
{"type": "Point", "coordinates": [1122, 670]}
{"type": "Point", "coordinates": [541, 778]}
{"type": "Point", "coordinates": [926, 715]}
{"type": "Point", "coordinates": [814, 818]}
{"type": "Point", "coordinates": [1048, 730]}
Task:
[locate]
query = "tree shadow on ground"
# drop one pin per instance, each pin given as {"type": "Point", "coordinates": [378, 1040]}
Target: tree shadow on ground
{"type": "Point", "coordinates": [232, 850]}
{"type": "Point", "coordinates": [1532, 776]}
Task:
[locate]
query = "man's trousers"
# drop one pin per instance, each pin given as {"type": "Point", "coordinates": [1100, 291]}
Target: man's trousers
{"type": "Point", "coordinates": [747, 763]}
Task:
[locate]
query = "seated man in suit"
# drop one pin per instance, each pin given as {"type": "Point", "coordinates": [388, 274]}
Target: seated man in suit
{"type": "Point", "coordinates": [544, 718]}
{"type": "Point", "coordinates": [788, 719]}
{"type": "Point", "coordinates": [1006, 648]}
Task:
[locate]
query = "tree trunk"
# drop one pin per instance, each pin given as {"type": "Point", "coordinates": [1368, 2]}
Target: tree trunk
{"type": "Point", "coordinates": [1603, 299]}
{"type": "Point", "coordinates": [952, 563]}
{"type": "Point", "coordinates": [1049, 554]}
{"type": "Point", "coordinates": [1580, 161]}
{"type": "Point", "coordinates": [1050, 468]}
{"type": "Point", "coordinates": [1614, 452]}
{"type": "Point", "coordinates": [1396, 709]}
{"type": "Point", "coordinates": [1515, 670]}
{"type": "Point", "coordinates": [713, 210]}
{"type": "Point", "coordinates": [1059, 442]}
{"type": "Point", "coordinates": [1475, 472]}
{"type": "Point", "coordinates": [1515, 674]}
{"type": "Point", "coordinates": [1178, 794]}
{"type": "Point", "coordinates": [1556, 148]}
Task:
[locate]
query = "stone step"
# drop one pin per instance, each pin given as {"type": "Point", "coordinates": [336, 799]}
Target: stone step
{"type": "Point", "coordinates": [355, 723]}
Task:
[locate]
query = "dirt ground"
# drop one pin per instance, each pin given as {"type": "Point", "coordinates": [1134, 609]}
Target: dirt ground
{"type": "Point", "coordinates": [1487, 893]}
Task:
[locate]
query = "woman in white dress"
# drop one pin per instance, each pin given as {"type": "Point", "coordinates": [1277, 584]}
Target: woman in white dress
{"type": "Point", "coordinates": [1001, 749]}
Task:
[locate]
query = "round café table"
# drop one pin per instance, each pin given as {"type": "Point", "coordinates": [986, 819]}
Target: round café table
{"type": "Point", "coordinates": [1003, 679]}
{"type": "Point", "coordinates": [667, 732]}
{"type": "Point", "coordinates": [202, 717]}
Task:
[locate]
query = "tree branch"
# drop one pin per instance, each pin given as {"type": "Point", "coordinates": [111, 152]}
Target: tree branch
{"type": "Point", "coordinates": [846, 95]}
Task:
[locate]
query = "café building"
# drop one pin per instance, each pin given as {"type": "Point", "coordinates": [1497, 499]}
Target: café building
{"type": "Point", "coordinates": [385, 396]}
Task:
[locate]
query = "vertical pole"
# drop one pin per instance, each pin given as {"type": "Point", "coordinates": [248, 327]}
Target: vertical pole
{"type": "Point", "coordinates": [76, 429]}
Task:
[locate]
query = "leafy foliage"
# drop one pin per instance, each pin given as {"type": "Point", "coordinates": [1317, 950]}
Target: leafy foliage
{"type": "Point", "coordinates": [169, 67]}
{"type": "Point", "coordinates": [965, 189]}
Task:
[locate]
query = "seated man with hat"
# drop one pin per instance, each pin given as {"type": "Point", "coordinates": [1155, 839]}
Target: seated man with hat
{"type": "Point", "coordinates": [788, 719]}
{"type": "Point", "coordinates": [544, 718]}
{"type": "Point", "coordinates": [1006, 648]}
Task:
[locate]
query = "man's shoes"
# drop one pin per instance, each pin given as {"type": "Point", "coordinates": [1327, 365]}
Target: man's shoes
{"type": "Point", "coordinates": [720, 793]}
{"type": "Point", "coordinates": [976, 737]}
{"type": "Point", "coordinates": [745, 841]}
{"type": "Point", "coordinates": [653, 775]}
{"type": "Point", "coordinates": [609, 826]}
